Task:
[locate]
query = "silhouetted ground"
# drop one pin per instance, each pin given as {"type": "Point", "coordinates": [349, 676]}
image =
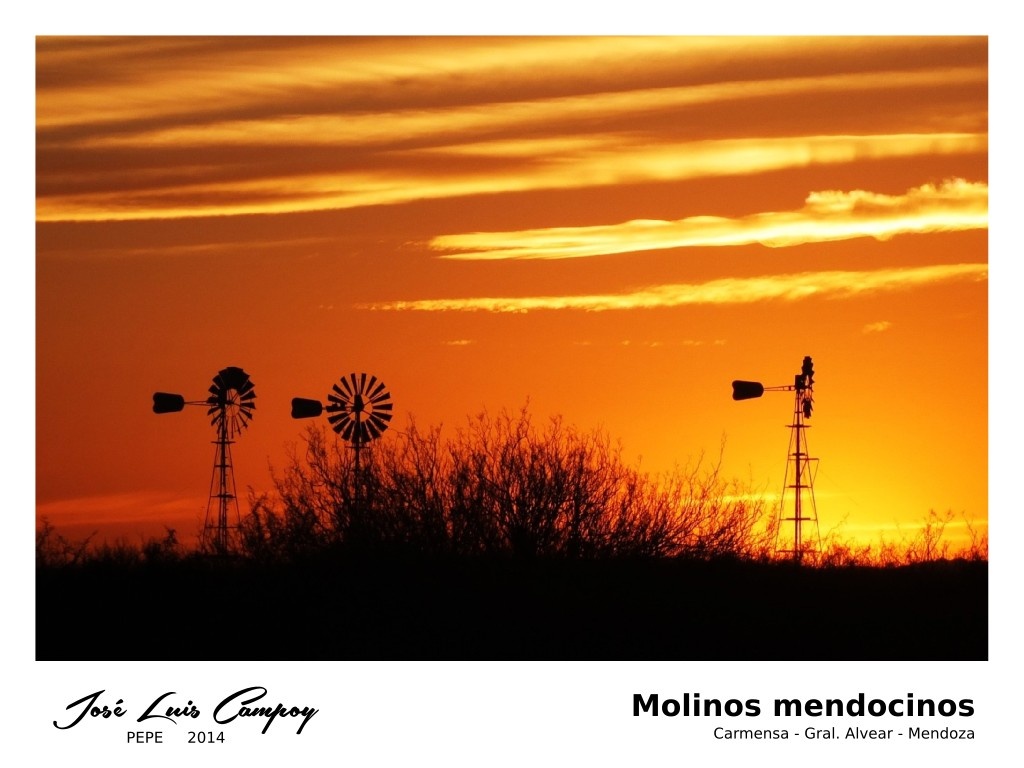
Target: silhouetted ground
{"type": "Point", "coordinates": [489, 609]}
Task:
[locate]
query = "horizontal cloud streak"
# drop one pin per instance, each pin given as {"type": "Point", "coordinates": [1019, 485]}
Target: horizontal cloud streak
{"type": "Point", "coordinates": [597, 162]}
{"type": "Point", "coordinates": [737, 290]}
{"type": "Point", "coordinates": [880, 327]}
{"type": "Point", "coordinates": [120, 507]}
{"type": "Point", "coordinates": [831, 215]}
{"type": "Point", "coordinates": [123, 81]}
{"type": "Point", "coordinates": [443, 125]}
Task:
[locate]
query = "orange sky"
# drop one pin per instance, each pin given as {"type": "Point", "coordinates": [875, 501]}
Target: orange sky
{"type": "Point", "coordinates": [612, 229]}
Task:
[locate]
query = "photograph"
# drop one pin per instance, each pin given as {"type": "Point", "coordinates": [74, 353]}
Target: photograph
{"type": "Point", "coordinates": [513, 397]}
{"type": "Point", "coordinates": [514, 348]}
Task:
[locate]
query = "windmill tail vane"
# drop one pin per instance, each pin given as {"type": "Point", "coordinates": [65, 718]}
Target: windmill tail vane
{"type": "Point", "coordinates": [167, 402]}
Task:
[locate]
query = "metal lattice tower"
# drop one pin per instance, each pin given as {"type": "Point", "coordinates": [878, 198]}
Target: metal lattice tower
{"type": "Point", "coordinates": [800, 466]}
{"type": "Point", "coordinates": [230, 408]}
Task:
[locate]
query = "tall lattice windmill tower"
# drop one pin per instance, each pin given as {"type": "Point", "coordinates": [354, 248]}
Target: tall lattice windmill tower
{"type": "Point", "coordinates": [800, 466]}
{"type": "Point", "coordinates": [230, 407]}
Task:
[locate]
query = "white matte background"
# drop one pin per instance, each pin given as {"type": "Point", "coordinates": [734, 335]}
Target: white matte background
{"type": "Point", "coordinates": [499, 714]}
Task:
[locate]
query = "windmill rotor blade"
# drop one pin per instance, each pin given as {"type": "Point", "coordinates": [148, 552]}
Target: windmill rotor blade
{"type": "Point", "coordinates": [346, 431]}
{"type": "Point", "coordinates": [371, 429]}
{"type": "Point", "coordinates": [233, 377]}
{"type": "Point", "coordinates": [382, 416]}
{"type": "Point", "coordinates": [167, 402]}
{"type": "Point", "coordinates": [381, 420]}
{"type": "Point", "coordinates": [383, 407]}
{"type": "Point", "coordinates": [339, 420]}
{"type": "Point", "coordinates": [362, 383]}
{"type": "Point", "coordinates": [346, 386]}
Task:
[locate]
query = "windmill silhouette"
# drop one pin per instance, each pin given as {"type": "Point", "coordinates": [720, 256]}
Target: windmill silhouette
{"type": "Point", "coordinates": [799, 464]}
{"type": "Point", "coordinates": [359, 409]}
{"type": "Point", "coordinates": [230, 407]}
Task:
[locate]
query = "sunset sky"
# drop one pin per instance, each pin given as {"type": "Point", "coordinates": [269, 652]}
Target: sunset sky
{"type": "Point", "coordinates": [608, 229]}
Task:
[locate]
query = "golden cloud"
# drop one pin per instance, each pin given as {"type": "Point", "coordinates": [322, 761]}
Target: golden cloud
{"type": "Point", "coordinates": [746, 290]}
{"type": "Point", "coordinates": [829, 215]}
{"type": "Point", "coordinates": [593, 164]}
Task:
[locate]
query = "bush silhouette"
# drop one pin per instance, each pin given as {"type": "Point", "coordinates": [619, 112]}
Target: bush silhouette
{"type": "Point", "coordinates": [499, 486]}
